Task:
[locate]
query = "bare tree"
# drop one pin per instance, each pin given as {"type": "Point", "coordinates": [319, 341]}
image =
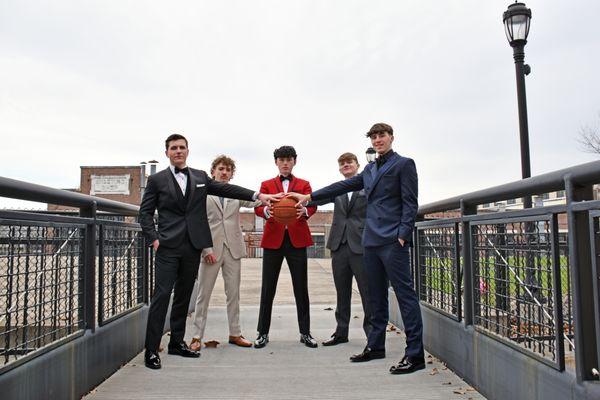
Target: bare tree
{"type": "Point", "coordinates": [589, 137]}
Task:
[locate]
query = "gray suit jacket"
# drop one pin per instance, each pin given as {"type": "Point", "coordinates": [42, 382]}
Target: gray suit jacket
{"type": "Point", "coordinates": [349, 217]}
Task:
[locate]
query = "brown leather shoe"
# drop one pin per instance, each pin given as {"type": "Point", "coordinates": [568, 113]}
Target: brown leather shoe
{"type": "Point", "coordinates": [240, 341]}
{"type": "Point", "coordinates": [195, 344]}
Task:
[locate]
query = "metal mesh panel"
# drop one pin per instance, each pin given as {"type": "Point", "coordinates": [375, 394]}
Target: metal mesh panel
{"type": "Point", "coordinates": [121, 270]}
{"type": "Point", "coordinates": [514, 284]}
{"type": "Point", "coordinates": [41, 273]}
{"type": "Point", "coordinates": [439, 269]}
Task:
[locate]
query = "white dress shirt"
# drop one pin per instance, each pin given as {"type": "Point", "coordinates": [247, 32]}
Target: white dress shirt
{"type": "Point", "coordinates": [180, 177]}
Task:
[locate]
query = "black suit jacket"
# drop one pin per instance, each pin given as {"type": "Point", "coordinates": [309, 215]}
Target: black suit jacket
{"type": "Point", "coordinates": [176, 216]}
{"type": "Point", "coordinates": [348, 217]}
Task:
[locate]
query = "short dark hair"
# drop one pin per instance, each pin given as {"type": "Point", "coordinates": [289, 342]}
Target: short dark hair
{"type": "Point", "coordinates": [223, 159]}
{"type": "Point", "coordinates": [175, 136]}
{"type": "Point", "coordinates": [284, 152]}
{"type": "Point", "coordinates": [380, 127]}
{"type": "Point", "coordinates": [347, 157]}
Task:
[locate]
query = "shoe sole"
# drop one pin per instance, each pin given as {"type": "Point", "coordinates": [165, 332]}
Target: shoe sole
{"type": "Point", "coordinates": [336, 343]}
{"type": "Point", "coordinates": [153, 366]}
{"type": "Point", "coordinates": [240, 345]}
{"type": "Point", "coordinates": [399, 371]}
{"type": "Point", "coordinates": [368, 359]}
{"type": "Point", "coordinates": [174, 353]}
{"type": "Point", "coordinates": [309, 344]}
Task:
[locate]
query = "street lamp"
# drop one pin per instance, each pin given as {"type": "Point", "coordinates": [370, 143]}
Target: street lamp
{"type": "Point", "coordinates": [516, 20]}
{"type": "Point", "coordinates": [371, 155]}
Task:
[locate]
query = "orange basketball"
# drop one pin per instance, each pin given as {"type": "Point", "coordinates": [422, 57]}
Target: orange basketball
{"type": "Point", "coordinates": [284, 210]}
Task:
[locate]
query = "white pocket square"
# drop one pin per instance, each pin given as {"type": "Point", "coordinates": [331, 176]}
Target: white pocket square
{"type": "Point", "coordinates": [200, 185]}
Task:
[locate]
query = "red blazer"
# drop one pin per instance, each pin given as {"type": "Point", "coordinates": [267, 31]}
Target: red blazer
{"type": "Point", "coordinates": [274, 231]}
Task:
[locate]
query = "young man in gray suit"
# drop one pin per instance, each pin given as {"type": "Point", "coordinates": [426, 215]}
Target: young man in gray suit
{"type": "Point", "coordinates": [225, 255]}
{"type": "Point", "coordinates": [390, 185]}
{"type": "Point", "coordinates": [347, 252]}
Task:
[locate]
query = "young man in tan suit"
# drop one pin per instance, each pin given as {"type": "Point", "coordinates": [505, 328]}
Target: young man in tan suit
{"type": "Point", "coordinates": [225, 255]}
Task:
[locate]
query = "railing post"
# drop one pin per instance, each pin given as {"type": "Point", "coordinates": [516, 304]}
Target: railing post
{"type": "Point", "coordinates": [467, 209]}
{"type": "Point", "coordinates": [580, 260]}
{"type": "Point", "coordinates": [89, 267]}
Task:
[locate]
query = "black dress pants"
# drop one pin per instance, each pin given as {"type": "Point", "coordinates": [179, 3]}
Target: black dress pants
{"type": "Point", "coordinates": [297, 262]}
{"type": "Point", "coordinates": [174, 269]}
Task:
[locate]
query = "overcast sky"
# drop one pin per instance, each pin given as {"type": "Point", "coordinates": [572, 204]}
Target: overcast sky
{"type": "Point", "coordinates": [103, 83]}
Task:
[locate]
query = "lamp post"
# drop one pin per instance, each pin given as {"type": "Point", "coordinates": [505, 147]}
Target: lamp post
{"type": "Point", "coordinates": [371, 155]}
{"type": "Point", "coordinates": [516, 26]}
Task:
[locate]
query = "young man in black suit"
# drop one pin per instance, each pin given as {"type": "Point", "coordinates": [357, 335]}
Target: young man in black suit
{"type": "Point", "coordinates": [179, 194]}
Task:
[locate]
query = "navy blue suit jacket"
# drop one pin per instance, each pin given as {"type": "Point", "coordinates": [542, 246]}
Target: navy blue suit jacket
{"type": "Point", "coordinates": [391, 199]}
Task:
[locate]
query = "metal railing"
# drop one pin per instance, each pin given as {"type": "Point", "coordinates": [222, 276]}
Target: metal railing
{"type": "Point", "coordinates": [61, 275]}
{"type": "Point", "coordinates": [519, 277]}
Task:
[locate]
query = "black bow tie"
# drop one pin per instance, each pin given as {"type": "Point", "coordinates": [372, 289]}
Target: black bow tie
{"type": "Point", "coordinates": [284, 178]}
{"type": "Point", "coordinates": [182, 170]}
{"type": "Point", "coordinates": [381, 160]}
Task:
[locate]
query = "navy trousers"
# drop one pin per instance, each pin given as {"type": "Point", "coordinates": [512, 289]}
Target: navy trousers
{"type": "Point", "coordinates": [391, 262]}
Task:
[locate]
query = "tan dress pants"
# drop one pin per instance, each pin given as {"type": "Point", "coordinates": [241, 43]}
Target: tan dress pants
{"type": "Point", "coordinates": [207, 276]}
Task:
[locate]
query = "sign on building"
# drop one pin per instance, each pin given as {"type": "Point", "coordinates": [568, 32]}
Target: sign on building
{"type": "Point", "coordinates": [110, 184]}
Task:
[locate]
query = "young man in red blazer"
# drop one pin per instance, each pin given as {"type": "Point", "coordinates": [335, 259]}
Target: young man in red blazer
{"type": "Point", "coordinates": [285, 241]}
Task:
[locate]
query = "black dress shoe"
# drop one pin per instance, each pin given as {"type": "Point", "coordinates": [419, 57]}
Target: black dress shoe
{"type": "Point", "coordinates": [182, 349]}
{"type": "Point", "coordinates": [408, 365]}
{"type": "Point", "coordinates": [261, 340]}
{"type": "Point", "coordinates": [335, 339]}
{"type": "Point", "coordinates": [308, 340]}
{"type": "Point", "coordinates": [368, 355]}
{"type": "Point", "coordinates": [152, 360]}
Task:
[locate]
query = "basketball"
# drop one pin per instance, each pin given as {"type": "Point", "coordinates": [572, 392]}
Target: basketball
{"type": "Point", "coordinates": [284, 210]}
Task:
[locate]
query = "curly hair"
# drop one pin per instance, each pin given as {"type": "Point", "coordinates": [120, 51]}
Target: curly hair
{"type": "Point", "coordinates": [222, 159]}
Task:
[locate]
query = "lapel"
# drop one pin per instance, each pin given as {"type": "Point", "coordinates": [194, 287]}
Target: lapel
{"type": "Point", "coordinates": [215, 199]}
{"type": "Point", "coordinates": [171, 182]}
{"type": "Point", "coordinates": [342, 203]}
{"type": "Point", "coordinates": [379, 173]}
{"type": "Point", "coordinates": [278, 184]}
{"type": "Point", "coordinates": [352, 200]}
{"type": "Point", "coordinates": [191, 187]}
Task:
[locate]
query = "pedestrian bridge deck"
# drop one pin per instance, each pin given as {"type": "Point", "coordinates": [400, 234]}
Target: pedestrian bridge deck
{"type": "Point", "coordinates": [285, 369]}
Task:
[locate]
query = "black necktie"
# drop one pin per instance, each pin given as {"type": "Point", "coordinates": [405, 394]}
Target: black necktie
{"type": "Point", "coordinates": [380, 161]}
{"type": "Point", "coordinates": [183, 170]}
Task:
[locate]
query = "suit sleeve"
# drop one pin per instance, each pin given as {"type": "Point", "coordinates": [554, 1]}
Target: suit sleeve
{"type": "Point", "coordinates": [147, 209]}
{"type": "Point", "coordinates": [335, 189]}
{"type": "Point", "coordinates": [310, 210]}
{"type": "Point", "coordinates": [408, 192]}
{"type": "Point", "coordinates": [229, 191]}
{"type": "Point", "coordinates": [250, 204]}
{"type": "Point", "coordinates": [260, 210]}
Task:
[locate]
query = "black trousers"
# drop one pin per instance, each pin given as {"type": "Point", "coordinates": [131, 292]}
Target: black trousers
{"type": "Point", "coordinates": [174, 269]}
{"type": "Point", "coordinates": [297, 262]}
{"type": "Point", "coordinates": [345, 264]}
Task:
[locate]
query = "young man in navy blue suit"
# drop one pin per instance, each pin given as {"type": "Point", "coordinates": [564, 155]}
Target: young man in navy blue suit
{"type": "Point", "coordinates": [391, 186]}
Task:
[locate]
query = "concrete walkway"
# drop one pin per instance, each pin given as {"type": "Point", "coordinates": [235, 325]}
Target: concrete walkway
{"type": "Point", "coordinates": [285, 369]}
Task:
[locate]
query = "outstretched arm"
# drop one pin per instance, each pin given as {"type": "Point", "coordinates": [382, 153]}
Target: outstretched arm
{"type": "Point", "coordinates": [331, 191]}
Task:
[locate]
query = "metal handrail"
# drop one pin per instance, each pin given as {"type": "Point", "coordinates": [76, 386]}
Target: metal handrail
{"type": "Point", "coordinates": [582, 174]}
{"type": "Point", "coordinates": [21, 190]}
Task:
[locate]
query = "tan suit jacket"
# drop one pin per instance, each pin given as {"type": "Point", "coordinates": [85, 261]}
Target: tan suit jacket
{"type": "Point", "coordinates": [225, 226]}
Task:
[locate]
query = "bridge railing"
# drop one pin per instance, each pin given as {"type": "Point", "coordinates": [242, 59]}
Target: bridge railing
{"type": "Point", "coordinates": [522, 284]}
{"type": "Point", "coordinates": [67, 283]}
